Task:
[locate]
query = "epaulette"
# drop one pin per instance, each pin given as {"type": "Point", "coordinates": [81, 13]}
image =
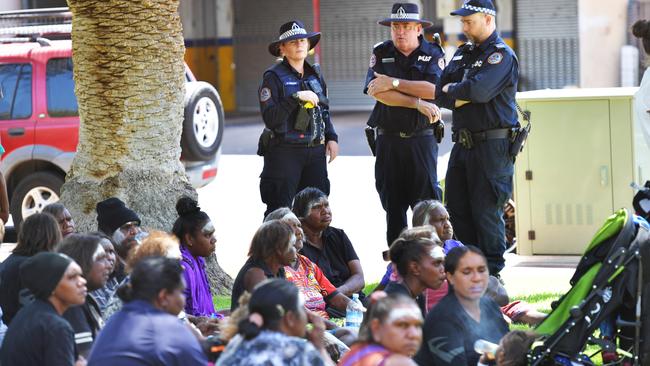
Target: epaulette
{"type": "Point", "coordinates": [377, 44]}
{"type": "Point", "coordinates": [501, 45]}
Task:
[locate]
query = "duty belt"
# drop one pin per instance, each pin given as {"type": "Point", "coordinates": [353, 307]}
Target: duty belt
{"type": "Point", "coordinates": [468, 139]}
{"type": "Point", "coordinates": [406, 135]}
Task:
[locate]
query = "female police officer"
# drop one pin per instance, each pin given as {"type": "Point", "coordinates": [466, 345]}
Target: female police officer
{"type": "Point", "coordinates": [299, 133]}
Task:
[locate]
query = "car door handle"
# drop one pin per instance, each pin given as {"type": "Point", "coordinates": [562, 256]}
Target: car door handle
{"type": "Point", "coordinates": [17, 131]}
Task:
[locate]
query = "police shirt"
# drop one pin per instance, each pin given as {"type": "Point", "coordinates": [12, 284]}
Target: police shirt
{"type": "Point", "coordinates": [424, 63]}
{"type": "Point", "coordinates": [278, 106]}
{"type": "Point", "coordinates": [485, 75]}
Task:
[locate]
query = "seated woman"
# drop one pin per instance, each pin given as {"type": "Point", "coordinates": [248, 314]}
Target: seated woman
{"type": "Point", "coordinates": [463, 315]}
{"type": "Point", "coordinates": [147, 331]}
{"type": "Point", "coordinates": [434, 213]}
{"type": "Point", "coordinates": [328, 247]}
{"type": "Point", "coordinates": [307, 276]}
{"type": "Point", "coordinates": [38, 334]}
{"type": "Point", "coordinates": [196, 234]}
{"type": "Point", "coordinates": [420, 264]}
{"type": "Point", "coordinates": [86, 320]}
{"type": "Point", "coordinates": [62, 217]}
{"type": "Point", "coordinates": [38, 233]}
{"type": "Point", "coordinates": [103, 295]}
{"type": "Point", "coordinates": [390, 334]}
{"type": "Point", "coordinates": [273, 331]}
{"type": "Point", "coordinates": [272, 248]}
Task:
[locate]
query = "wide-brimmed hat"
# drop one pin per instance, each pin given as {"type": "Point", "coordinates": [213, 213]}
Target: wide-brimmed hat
{"type": "Point", "coordinates": [475, 6]}
{"type": "Point", "coordinates": [294, 29]}
{"type": "Point", "coordinates": [405, 12]}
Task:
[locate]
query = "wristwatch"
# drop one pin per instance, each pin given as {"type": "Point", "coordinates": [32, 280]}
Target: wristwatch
{"type": "Point", "coordinates": [395, 83]}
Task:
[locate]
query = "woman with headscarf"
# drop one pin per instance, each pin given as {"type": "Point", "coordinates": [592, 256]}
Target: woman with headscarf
{"type": "Point", "coordinates": [38, 334]}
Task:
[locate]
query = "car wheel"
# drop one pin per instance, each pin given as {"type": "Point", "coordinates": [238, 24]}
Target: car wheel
{"type": "Point", "coordinates": [33, 193]}
{"type": "Point", "coordinates": [203, 123]}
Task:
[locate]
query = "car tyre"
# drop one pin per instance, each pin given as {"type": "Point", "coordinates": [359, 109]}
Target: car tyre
{"type": "Point", "coordinates": [33, 193]}
{"type": "Point", "coordinates": [203, 122]}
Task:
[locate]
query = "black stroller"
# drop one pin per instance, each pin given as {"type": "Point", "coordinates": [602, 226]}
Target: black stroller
{"type": "Point", "coordinates": [610, 293]}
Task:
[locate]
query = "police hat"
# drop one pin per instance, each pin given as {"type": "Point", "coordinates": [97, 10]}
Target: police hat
{"type": "Point", "coordinates": [476, 6]}
{"type": "Point", "coordinates": [294, 29]}
{"type": "Point", "coordinates": [405, 12]}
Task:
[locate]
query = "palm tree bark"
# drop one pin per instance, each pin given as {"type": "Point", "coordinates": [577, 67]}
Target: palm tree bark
{"type": "Point", "coordinates": [130, 85]}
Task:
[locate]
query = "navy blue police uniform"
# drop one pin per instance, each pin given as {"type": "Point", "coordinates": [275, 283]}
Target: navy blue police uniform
{"type": "Point", "coordinates": [295, 158]}
{"type": "Point", "coordinates": [406, 150]}
{"type": "Point", "coordinates": [479, 175]}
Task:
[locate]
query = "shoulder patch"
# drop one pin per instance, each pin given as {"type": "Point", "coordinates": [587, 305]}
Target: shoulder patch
{"type": "Point", "coordinates": [373, 61]}
{"type": "Point", "coordinates": [495, 58]}
{"type": "Point", "coordinates": [265, 94]}
{"type": "Point", "coordinates": [441, 63]}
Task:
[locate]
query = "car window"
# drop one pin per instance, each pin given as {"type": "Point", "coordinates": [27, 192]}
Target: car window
{"type": "Point", "coordinates": [15, 91]}
{"type": "Point", "coordinates": [61, 101]}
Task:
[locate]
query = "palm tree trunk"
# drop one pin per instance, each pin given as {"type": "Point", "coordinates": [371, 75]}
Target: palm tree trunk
{"type": "Point", "coordinates": [130, 84]}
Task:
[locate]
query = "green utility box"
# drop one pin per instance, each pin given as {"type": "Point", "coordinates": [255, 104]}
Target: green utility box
{"type": "Point", "coordinates": [583, 152]}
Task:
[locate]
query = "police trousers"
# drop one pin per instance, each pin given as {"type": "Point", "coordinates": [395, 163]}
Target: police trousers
{"type": "Point", "coordinates": [478, 184]}
{"type": "Point", "coordinates": [289, 169]}
{"type": "Point", "coordinates": [405, 174]}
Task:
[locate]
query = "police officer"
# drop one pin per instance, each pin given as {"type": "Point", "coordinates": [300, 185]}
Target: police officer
{"type": "Point", "coordinates": [401, 77]}
{"type": "Point", "coordinates": [294, 106]}
{"type": "Point", "coordinates": [479, 85]}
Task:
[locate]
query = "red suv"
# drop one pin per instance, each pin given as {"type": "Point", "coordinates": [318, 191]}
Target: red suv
{"type": "Point", "coordinates": [39, 123]}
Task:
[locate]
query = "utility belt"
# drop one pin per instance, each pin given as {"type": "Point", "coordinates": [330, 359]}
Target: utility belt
{"type": "Point", "coordinates": [406, 135]}
{"type": "Point", "coordinates": [268, 138]}
{"type": "Point", "coordinates": [469, 139]}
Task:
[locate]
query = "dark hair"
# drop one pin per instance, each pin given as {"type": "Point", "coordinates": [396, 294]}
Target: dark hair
{"type": "Point", "coordinates": [515, 346]}
{"type": "Point", "coordinates": [38, 233]}
{"type": "Point", "coordinates": [54, 208]}
{"type": "Point", "coordinates": [271, 237]}
{"type": "Point", "coordinates": [641, 29]}
{"type": "Point", "coordinates": [150, 276]}
{"type": "Point", "coordinates": [422, 211]}
{"type": "Point", "coordinates": [81, 248]}
{"type": "Point", "coordinates": [404, 251]}
{"type": "Point", "coordinates": [271, 299]}
{"type": "Point", "coordinates": [380, 311]}
{"type": "Point", "coordinates": [102, 235]}
{"type": "Point", "coordinates": [303, 199]}
{"type": "Point", "coordinates": [190, 217]}
{"type": "Point", "coordinates": [455, 254]}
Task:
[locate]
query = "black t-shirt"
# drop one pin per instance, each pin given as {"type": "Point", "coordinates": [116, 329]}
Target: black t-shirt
{"type": "Point", "coordinates": [238, 287]}
{"type": "Point", "coordinates": [400, 288]}
{"type": "Point", "coordinates": [333, 259]}
{"type": "Point", "coordinates": [86, 322]}
{"type": "Point", "coordinates": [38, 336]}
{"type": "Point", "coordinates": [13, 295]}
{"type": "Point", "coordinates": [449, 332]}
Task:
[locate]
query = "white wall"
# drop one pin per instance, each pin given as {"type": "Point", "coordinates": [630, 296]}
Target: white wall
{"type": "Point", "coordinates": [10, 5]}
{"type": "Point", "coordinates": [602, 30]}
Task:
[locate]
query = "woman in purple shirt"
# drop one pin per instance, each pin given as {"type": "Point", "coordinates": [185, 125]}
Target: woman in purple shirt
{"type": "Point", "coordinates": [196, 234]}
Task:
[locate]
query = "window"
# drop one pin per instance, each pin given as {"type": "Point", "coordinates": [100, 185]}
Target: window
{"type": "Point", "coordinates": [61, 101]}
{"type": "Point", "coordinates": [15, 91]}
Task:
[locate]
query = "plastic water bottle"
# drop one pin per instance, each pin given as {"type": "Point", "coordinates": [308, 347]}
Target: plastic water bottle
{"type": "Point", "coordinates": [354, 313]}
{"type": "Point", "coordinates": [482, 346]}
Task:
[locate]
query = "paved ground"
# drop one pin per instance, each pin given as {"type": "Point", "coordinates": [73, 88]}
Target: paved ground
{"type": "Point", "coordinates": [233, 203]}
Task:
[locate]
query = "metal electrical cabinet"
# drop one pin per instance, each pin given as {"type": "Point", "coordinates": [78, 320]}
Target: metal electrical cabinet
{"type": "Point", "coordinates": [583, 152]}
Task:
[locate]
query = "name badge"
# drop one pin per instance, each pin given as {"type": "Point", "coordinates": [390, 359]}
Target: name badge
{"type": "Point", "coordinates": [456, 58]}
{"type": "Point", "coordinates": [387, 60]}
{"type": "Point", "coordinates": [291, 83]}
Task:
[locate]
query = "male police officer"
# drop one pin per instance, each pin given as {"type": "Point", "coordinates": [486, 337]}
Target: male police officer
{"type": "Point", "coordinates": [479, 84]}
{"type": "Point", "coordinates": [401, 77]}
